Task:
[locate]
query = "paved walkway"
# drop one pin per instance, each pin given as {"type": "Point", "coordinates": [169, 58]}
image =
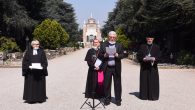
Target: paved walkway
{"type": "Point", "coordinates": [66, 83]}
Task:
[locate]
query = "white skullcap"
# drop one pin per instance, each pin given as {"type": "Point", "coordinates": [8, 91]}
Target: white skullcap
{"type": "Point", "coordinates": [112, 33]}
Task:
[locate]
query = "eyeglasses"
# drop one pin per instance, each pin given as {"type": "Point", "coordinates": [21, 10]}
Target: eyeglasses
{"type": "Point", "coordinates": [35, 44]}
{"type": "Point", "coordinates": [149, 38]}
{"type": "Point", "coordinates": [112, 36]}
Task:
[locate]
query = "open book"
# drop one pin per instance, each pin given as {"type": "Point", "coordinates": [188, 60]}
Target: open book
{"type": "Point", "coordinates": [110, 51]}
{"type": "Point", "coordinates": [98, 62]}
{"type": "Point", "coordinates": [36, 66]}
{"type": "Point", "coordinates": [148, 58]}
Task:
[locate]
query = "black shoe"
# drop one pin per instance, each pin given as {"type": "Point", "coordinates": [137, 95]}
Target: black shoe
{"type": "Point", "coordinates": [42, 101]}
{"type": "Point", "coordinates": [31, 102]}
{"type": "Point", "coordinates": [107, 103]}
{"type": "Point", "coordinates": [118, 103]}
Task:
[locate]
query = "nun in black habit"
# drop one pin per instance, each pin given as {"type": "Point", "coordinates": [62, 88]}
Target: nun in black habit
{"type": "Point", "coordinates": [148, 56]}
{"type": "Point", "coordinates": [92, 90]}
{"type": "Point", "coordinates": [34, 70]}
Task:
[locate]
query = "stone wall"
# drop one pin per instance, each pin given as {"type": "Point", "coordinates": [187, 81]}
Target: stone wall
{"type": "Point", "coordinates": [15, 59]}
{"type": "Point", "coordinates": [55, 53]}
{"type": "Point", "coordinates": [133, 58]}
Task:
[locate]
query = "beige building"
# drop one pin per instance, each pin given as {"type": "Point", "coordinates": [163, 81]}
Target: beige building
{"type": "Point", "coordinates": [91, 30]}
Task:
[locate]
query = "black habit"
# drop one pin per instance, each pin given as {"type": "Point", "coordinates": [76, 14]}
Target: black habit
{"type": "Point", "coordinates": [92, 90]}
{"type": "Point", "coordinates": [35, 82]}
{"type": "Point", "coordinates": [149, 77]}
{"type": "Point", "coordinates": [110, 71]}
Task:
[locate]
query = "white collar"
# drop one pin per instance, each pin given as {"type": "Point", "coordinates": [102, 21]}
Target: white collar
{"type": "Point", "coordinates": [35, 52]}
{"type": "Point", "coordinates": [112, 42]}
{"type": "Point", "coordinates": [96, 48]}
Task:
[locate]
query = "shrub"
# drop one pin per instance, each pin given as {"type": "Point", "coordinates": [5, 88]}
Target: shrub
{"type": "Point", "coordinates": [122, 38]}
{"type": "Point", "coordinates": [8, 44]}
{"type": "Point", "coordinates": [51, 34]}
{"type": "Point", "coordinates": [185, 58]}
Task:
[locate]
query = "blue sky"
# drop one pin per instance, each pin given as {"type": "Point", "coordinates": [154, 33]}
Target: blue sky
{"type": "Point", "coordinates": [98, 8]}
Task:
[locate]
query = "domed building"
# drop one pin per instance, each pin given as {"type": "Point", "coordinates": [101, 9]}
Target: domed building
{"type": "Point", "coordinates": [91, 30]}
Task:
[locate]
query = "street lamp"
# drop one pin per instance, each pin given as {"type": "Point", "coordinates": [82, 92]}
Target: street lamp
{"type": "Point", "coordinates": [27, 40]}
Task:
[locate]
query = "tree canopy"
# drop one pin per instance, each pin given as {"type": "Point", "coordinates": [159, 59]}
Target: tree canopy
{"type": "Point", "coordinates": [172, 22]}
{"type": "Point", "coordinates": [122, 38]}
{"type": "Point", "coordinates": [20, 17]}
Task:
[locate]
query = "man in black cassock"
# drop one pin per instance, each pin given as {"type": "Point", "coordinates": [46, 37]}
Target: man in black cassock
{"type": "Point", "coordinates": [35, 82]}
{"type": "Point", "coordinates": [112, 67]}
{"type": "Point", "coordinates": [91, 90]}
{"type": "Point", "coordinates": [148, 56]}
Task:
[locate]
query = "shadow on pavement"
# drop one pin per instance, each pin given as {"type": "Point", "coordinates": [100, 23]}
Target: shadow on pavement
{"type": "Point", "coordinates": [136, 94]}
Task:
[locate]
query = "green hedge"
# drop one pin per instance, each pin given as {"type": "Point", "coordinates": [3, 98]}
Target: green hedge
{"type": "Point", "coordinates": [8, 44]}
{"type": "Point", "coordinates": [185, 58]}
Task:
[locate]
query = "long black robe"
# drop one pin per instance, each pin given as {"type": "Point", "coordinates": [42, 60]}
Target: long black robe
{"type": "Point", "coordinates": [35, 82]}
{"type": "Point", "coordinates": [91, 90]}
{"type": "Point", "coordinates": [149, 77]}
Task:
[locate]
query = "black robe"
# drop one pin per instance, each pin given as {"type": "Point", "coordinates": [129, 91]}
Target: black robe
{"type": "Point", "coordinates": [92, 90]}
{"type": "Point", "coordinates": [149, 77]}
{"type": "Point", "coordinates": [35, 82]}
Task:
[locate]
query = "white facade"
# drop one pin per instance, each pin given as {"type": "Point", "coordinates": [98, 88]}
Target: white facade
{"type": "Point", "coordinates": [91, 30]}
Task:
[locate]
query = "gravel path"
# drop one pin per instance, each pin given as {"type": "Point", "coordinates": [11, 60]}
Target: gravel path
{"type": "Point", "coordinates": [66, 83]}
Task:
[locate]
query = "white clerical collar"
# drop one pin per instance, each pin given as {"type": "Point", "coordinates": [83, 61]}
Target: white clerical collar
{"type": "Point", "coordinates": [95, 48]}
{"type": "Point", "coordinates": [150, 44]}
{"type": "Point", "coordinates": [35, 52]}
{"type": "Point", "coordinates": [112, 42]}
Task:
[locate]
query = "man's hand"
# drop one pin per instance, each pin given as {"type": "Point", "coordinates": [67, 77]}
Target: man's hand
{"type": "Point", "coordinates": [144, 59]}
{"type": "Point", "coordinates": [96, 68]}
{"type": "Point", "coordinates": [105, 55]}
{"type": "Point", "coordinates": [30, 67]}
{"type": "Point", "coordinates": [153, 59]}
{"type": "Point", "coordinates": [116, 54]}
